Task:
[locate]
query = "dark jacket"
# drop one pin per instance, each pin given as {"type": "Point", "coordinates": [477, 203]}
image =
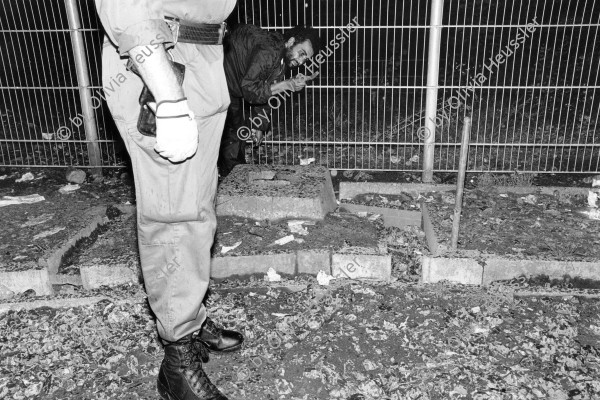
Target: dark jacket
{"type": "Point", "coordinates": [253, 62]}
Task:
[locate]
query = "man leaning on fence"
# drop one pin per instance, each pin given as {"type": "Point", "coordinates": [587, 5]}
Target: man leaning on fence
{"type": "Point", "coordinates": [255, 63]}
{"type": "Point", "coordinates": [174, 159]}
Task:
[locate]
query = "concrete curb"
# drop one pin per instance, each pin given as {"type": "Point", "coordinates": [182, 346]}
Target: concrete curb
{"type": "Point", "coordinates": [52, 261]}
{"type": "Point", "coordinates": [349, 190]}
{"type": "Point", "coordinates": [21, 281]}
{"type": "Point", "coordinates": [490, 268]}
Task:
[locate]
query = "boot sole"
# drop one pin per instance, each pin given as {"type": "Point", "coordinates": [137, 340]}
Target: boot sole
{"type": "Point", "coordinates": [227, 350]}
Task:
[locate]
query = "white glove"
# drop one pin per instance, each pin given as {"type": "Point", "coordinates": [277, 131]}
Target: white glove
{"type": "Point", "coordinates": [176, 130]}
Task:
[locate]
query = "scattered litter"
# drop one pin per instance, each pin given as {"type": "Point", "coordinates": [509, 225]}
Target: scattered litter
{"type": "Point", "coordinates": [504, 195]}
{"type": "Point", "coordinates": [272, 276]}
{"type": "Point", "coordinates": [596, 181]}
{"type": "Point", "coordinates": [592, 199]}
{"type": "Point", "coordinates": [3, 177]}
{"type": "Point", "coordinates": [226, 249]}
{"type": "Point", "coordinates": [324, 278]}
{"type": "Point", "coordinates": [295, 226]}
{"type": "Point", "coordinates": [413, 159]}
{"type": "Point", "coordinates": [334, 172]}
{"type": "Point", "coordinates": [76, 176]}
{"type": "Point", "coordinates": [299, 240]}
{"type": "Point", "coordinates": [18, 258]}
{"type": "Point", "coordinates": [394, 159]}
{"type": "Point", "coordinates": [25, 178]}
{"type": "Point", "coordinates": [29, 199]}
{"type": "Point", "coordinates": [48, 233]}
{"type": "Point", "coordinates": [284, 240]}
{"type": "Point", "coordinates": [531, 199]}
{"type": "Point", "coordinates": [307, 161]}
{"type": "Point", "coordinates": [48, 135]}
{"type": "Point", "coordinates": [37, 220]}
{"type": "Point", "coordinates": [590, 212]}
{"type": "Point", "coordinates": [68, 189]}
{"type": "Point", "coordinates": [374, 217]}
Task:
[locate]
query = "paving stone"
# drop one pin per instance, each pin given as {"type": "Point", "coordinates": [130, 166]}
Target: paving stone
{"type": "Point", "coordinates": [95, 276]}
{"type": "Point", "coordinates": [361, 266]}
{"type": "Point", "coordinates": [21, 281]}
{"type": "Point", "coordinates": [226, 267]}
{"type": "Point", "coordinates": [312, 261]}
{"type": "Point", "coordinates": [497, 269]}
{"type": "Point", "coordinates": [457, 270]}
{"type": "Point", "coordinates": [246, 193]}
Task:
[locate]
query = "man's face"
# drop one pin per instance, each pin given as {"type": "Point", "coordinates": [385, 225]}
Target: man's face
{"type": "Point", "coordinates": [297, 53]}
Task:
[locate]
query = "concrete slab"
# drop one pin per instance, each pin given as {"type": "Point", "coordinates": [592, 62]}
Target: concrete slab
{"type": "Point", "coordinates": [497, 269]}
{"type": "Point", "coordinates": [226, 267]}
{"type": "Point", "coordinates": [457, 270]}
{"type": "Point", "coordinates": [21, 281]}
{"type": "Point", "coordinates": [95, 276]}
{"type": "Point", "coordinates": [361, 266]}
{"type": "Point", "coordinates": [312, 261]}
{"type": "Point", "coordinates": [391, 217]}
{"type": "Point", "coordinates": [246, 193]}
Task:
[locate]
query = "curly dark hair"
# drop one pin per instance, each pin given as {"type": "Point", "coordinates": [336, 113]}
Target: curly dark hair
{"type": "Point", "coordinates": [302, 33]}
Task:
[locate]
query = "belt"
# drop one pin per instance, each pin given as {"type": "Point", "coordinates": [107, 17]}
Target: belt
{"type": "Point", "coordinates": [187, 32]}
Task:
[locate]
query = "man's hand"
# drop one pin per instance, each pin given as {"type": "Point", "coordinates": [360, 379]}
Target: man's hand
{"type": "Point", "coordinates": [299, 82]}
{"type": "Point", "coordinates": [257, 137]}
{"type": "Point", "coordinates": [176, 130]}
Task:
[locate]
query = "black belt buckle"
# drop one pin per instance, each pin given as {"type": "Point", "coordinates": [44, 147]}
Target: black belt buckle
{"type": "Point", "coordinates": [184, 32]}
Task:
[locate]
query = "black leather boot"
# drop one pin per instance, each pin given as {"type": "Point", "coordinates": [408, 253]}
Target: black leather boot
{"type": "Point", "coordinates": [181, 376]}
{"type": "Point", "coordinates": [218, 339]}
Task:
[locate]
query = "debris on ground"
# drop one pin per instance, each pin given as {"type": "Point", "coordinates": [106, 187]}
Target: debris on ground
{"type": "Point", "coordinates": [27, 199]}
{"type": "Point", "coordinates": [69, 188]}
{"type": "Point", "coordinates": [272, 276]}
{"type": "Point", "coordinates": [76, 176]}
{"type": "Point", "coordinates": [25, 178]}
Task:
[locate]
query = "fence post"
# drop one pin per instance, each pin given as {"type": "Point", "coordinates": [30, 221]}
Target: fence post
{"type": "Point", "coordinates": [85, 93]}
{"type": "Point", "coordinates": [433, 71]}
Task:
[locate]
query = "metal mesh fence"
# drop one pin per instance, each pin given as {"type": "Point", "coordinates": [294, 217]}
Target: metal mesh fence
{"type": "Point", "coordinates": [534, 109]}
{"type": "Point", "coordinates": [41, 115]}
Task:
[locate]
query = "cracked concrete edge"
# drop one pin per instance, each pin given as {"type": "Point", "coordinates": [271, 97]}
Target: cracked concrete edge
{"type": "Point", "coordinates": [427, 227]}
{"type": "Point", "coordinates": [349, 190]}
{"type": "Point", "coordinates": [469, 271]}
{"type": "Point", "coordinates": [52, 261]}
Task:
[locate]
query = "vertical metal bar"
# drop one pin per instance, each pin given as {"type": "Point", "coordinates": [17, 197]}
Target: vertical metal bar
{"type": "Point", "coordinates": [433, 70]}
{"type": "Point", "coordinates": [460, 181]}
{"type": "Point", "coordinates": [85, 93]}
